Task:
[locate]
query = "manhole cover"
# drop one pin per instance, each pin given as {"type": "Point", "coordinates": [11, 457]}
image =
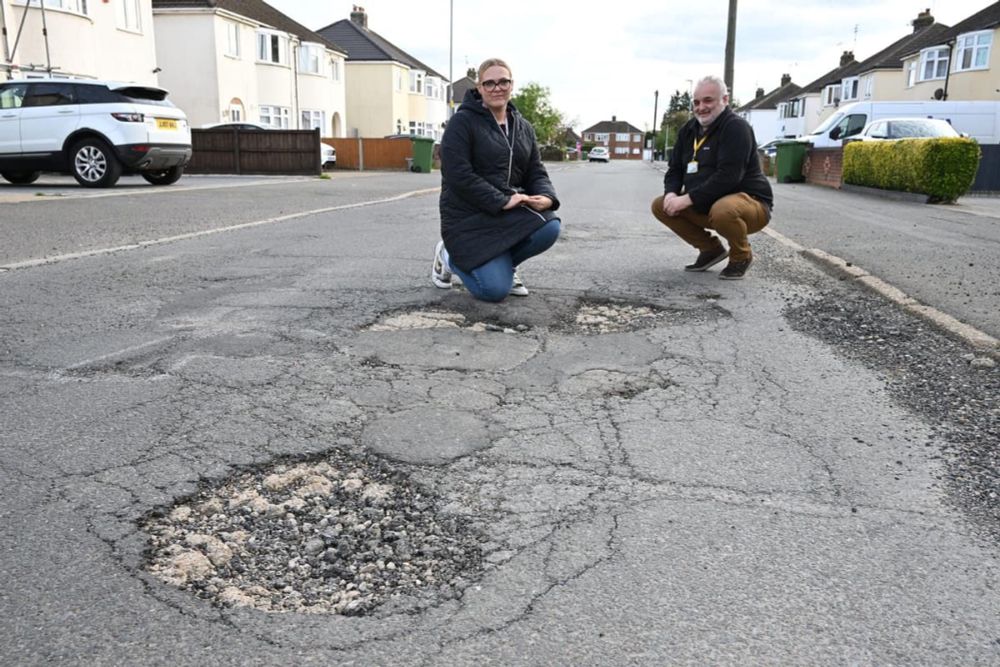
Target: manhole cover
{"type": "Point", "coordinates": [339, 535]}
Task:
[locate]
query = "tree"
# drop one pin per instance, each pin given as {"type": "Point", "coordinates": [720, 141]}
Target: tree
{"type": "Point", "coordinates": [533, 102]}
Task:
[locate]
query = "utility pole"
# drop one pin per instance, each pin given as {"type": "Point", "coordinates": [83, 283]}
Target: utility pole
{"type": "Point", "coordinates": [451, 58]}
{"type": "Point", "coordinates": [656, 103]}
{"type": "Point", "coordinates": [730, 47]}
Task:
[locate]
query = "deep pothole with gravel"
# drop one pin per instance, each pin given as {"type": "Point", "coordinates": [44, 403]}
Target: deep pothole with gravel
{"type": "Point", "coordinates": [337, 535]}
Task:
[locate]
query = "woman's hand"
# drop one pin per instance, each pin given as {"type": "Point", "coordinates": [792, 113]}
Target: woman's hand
{"type": "Point", "coordinates": [516, 200]}
{"type": "Point", "coordinates": [539, 202]}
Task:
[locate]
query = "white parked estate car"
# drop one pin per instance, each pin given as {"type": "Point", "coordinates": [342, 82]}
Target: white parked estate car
{"type": "Point", "coordinates": [327, 153]}
{"type": "Point", "coordinates": [94, 130]}
{"type": "Point", "coordinates": [598, 154]}
{"type": "Point", "coordinates": [907, 128]}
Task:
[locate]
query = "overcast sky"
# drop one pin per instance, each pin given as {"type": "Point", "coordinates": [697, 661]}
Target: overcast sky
{"type": "Point", "coordinates": [610, 59]}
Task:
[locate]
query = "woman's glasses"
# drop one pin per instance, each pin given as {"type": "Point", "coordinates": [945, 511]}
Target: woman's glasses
{"type": "Point", "coordinates": [491, 84]}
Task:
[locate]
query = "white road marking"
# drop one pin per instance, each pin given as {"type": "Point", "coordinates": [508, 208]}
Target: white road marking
{"type": "Point", "coordinates": [191, 235]}
{"type": "Point", "coordinates": [118, 353]}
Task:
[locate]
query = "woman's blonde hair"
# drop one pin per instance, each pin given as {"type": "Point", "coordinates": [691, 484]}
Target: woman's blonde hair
{"type": "Point", "coordinates": [492, 62]}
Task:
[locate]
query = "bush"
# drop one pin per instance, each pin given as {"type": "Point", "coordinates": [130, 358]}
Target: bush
{"type": "Point", "coordinates": [553, 153]}
{"type": "Point", "coordinates": [943, 169]}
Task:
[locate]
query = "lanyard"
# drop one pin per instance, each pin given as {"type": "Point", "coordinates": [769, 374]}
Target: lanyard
{"type": "Point", "coordinates": [697, 145]}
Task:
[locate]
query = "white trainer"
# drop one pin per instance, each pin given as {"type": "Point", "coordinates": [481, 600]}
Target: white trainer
{"type": "Point", "coordinates": [440, 273]}
{"type": "Point", "coordinates": [518, 288]}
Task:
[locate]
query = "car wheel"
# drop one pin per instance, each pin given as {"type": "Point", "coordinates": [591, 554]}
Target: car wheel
{"type": "Point", "coordinates": [21, 177]}
{"type": "Point", "coordinates": [165, 176]}
{"type": "Point", "coordinates": [94, 164]}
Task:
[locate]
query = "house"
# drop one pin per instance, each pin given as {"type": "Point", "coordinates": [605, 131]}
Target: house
{"type": "Point", "coordinates": [962, 63]}
{"type": "Point", "coordinates": [388, 90]}
{"type": "Point", "coordinates": [78, 39]}
{"type": "Point", "coordinates": [881, 77]}
{"type": "Point", "coordinates": [762, 111]}
{"type": "Point", "coordinates": [243, 60]}
{"type": "Point", "coordinates": [568, 138]}
{"type": "Point", "coordinates": [462, 86]}
{"type": "Point", "coordinates": [622, 139]}
{"type": "Point", "coordinates": [803, 111]}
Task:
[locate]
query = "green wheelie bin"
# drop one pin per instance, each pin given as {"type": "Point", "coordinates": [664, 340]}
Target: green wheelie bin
{"type": "Point", "coordinates": [788, 161]}
{"type": "Point", "coordinates": [423, 154]}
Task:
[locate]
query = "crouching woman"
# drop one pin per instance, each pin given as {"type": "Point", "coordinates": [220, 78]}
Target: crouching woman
{"type": "Point", "coordinates": [497, 202]}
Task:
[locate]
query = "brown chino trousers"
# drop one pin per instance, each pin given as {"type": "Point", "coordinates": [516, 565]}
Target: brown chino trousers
{"type": "Point", "coordinates": [733, 217]}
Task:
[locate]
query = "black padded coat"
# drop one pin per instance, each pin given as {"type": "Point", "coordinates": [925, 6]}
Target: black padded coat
{"type": "Point", "coordinates": [480, 169]}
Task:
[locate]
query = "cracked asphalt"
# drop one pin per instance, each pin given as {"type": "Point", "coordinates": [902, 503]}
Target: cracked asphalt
{"type": "Point", "coordinates": [716, 480]}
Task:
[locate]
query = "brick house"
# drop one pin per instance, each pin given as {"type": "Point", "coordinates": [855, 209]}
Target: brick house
{"type": "Point", "coordinates": [622, 139]}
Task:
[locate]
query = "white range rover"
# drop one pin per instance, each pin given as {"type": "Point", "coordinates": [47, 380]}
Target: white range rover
{"type": "Point", "coordinates": [94, 130]}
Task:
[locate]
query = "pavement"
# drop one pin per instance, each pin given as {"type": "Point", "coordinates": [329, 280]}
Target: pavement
{"type": "Point", "coordinates": [650, 466]}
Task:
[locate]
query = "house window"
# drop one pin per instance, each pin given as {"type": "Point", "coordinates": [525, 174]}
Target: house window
{"type": "Point", "coordinates": [232, 39]}
{"type": "Point", "coordinates": [911, 73]}
{"type": "Point", "coordinates": [416, 81]}
{"type": "Point", "coordinates": [272, 48]}
{"type": "Point", "coordinates": [933, 64]}
{"type": "Point", "coordinates": [128, 15]}
{"type": "Point", "coordinates": [309, 58]}
{"type": "Point", "coordinates": [636, 138]}
{"type": "Point", "coordinates": [235, 113]}
{"type": "Point", "coordinates": [869, 86]}
{"type": "Point", "coordinates": [831, 96]}
{"type": "Point", "coordinates": [277, 118]}
{"type": "Point", "coordinates": [335, 70]}
{"type": "Point", "coordinates": [849, 89]}
{"type": "Point", "coordinates": [621, 150]}
{"type": "Point", "coordinates": [635, 151]}
{"type": "Point", "coordinates": [974, 51]}
{"type": "Point", "coordinates": [431, 89]}
{"type": "Point", "coordinates": [77, 6]}
{"type": "Point", "coordinates": [622, 137]}
{"type": "Point", "coordinates": [313, 120]}
{"type": "Point", "coordinates": [601, 138]}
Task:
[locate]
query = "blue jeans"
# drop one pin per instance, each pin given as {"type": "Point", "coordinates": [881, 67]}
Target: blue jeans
{"type": "Point", "coordinates": [492, 281]}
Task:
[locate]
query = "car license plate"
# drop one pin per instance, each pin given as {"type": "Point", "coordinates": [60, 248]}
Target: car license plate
{"type": "Point", "coordinates": [166, 124]}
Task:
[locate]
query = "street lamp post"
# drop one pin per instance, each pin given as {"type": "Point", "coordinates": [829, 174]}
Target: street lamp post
{"type": "Point", "coordinates": [656, 103]}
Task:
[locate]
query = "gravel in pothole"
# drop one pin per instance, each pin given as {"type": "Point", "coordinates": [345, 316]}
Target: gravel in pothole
{"type": "Point", "coordinates": [613, 317]}
{"type": "Point", "coordinates": [339, 535]}
{"type": "Point", "coordinates": [431, 319]}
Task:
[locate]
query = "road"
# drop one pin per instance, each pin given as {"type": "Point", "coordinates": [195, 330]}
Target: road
{"type": "Point", "coordinates": [633, 465]}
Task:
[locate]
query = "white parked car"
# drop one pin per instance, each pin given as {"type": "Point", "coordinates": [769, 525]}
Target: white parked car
{"type": "Point", "coordinates": [598, 154]}
{"type": "Point", "coordinates": [94, 130]}
{"type": "Point", "coordinates": [328, 154]}
{"type": "Point", "coordinates": [907, 128]}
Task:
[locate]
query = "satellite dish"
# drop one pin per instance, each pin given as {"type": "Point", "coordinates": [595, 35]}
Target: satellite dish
{"type": "Point", "coordinates": [939, 94]}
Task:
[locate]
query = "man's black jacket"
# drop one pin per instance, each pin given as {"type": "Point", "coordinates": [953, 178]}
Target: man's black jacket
{"type": "Point", "coordinates": [727, 163]}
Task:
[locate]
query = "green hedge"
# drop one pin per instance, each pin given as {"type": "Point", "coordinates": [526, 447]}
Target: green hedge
{"type": "Point", "coordinates": [943, 169]}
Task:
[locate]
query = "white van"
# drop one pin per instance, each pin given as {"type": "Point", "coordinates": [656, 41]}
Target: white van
{"type": "Point", "coordinates": [978, 119]}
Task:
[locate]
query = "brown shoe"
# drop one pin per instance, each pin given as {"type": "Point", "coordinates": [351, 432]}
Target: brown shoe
{"type": "Point", "coordinates": [707, 258]}
{"type": "Point", "coordinates": [735, 270]}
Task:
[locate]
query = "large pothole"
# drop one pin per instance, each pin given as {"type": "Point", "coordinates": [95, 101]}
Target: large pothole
{"type": "Point", "coordinates": [339, 535]}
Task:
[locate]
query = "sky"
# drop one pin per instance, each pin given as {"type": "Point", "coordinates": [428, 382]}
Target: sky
{"type": "Point", "coordinates": [601, 59]}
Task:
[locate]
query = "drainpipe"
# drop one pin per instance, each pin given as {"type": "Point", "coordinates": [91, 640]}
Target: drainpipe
{"type": "Point", "coordinates": [947, 73]}
{"type": "Point", "coordinates": [295, 84]}
{"type": "Point", "coordinates": [3, 29]}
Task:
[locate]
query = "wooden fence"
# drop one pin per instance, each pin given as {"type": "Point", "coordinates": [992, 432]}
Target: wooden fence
{"type": "Point", "coordinates": [232, 151]}
{"type": "Point", "coordinates": [363, 154]}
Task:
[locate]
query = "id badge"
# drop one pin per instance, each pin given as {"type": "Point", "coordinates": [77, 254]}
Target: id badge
{"type": "Point", "coordinates": [692, 167]}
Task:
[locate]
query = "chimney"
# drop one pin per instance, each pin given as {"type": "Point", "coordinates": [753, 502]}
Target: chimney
{"type": "Point", "coordinates": [614, 118]}
{"type": "Point", "coordinates": [923, 20]}
{"type": "Point", "coordinates": [760, 94]}
{"type": "Point", "coordinates": [472, 73]}
{"type": "Point", "coordinates": [786, 79]}
{"type": "Point", "coordinates": [359, 16]}
{"type": "Point", "coordinates": [846, 58]}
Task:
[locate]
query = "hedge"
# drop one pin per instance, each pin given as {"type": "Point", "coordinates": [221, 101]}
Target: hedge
{"type": "Point", "coordinates": [942, 168]}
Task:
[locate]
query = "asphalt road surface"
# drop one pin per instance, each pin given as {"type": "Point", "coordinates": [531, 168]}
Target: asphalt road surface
{"type": "Point", "coordinates": [636, 465]}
